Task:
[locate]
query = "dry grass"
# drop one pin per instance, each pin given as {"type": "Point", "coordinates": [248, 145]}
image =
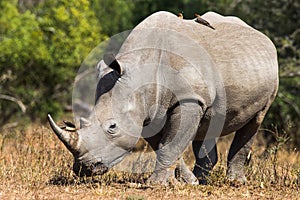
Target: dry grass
{"type": "Point", "coordinates": [35, 165]}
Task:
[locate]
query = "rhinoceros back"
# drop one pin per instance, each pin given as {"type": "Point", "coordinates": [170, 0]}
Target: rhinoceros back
{"type": "Point", "coordinates": [243, 59]}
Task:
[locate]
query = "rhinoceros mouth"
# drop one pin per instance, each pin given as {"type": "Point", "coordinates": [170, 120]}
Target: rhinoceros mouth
{"type": "Point", "coordinates": [99, 169]}
{"type": "Point", "coordinates": [82, 170]}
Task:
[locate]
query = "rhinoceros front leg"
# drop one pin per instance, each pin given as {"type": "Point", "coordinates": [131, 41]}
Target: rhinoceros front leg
{"type": "Point", "coordinates": [178, 132]}
{"type": "Point", "coordinates": [185, 173]}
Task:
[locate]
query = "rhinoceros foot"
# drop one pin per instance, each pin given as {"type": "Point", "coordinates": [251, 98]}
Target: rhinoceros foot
{"type": "Point", "coordinates": [185, 174]}
{"type": "Point", "coordinates": [239, 179]}
{"type": "Point", "coordinates": [236, 176]}
{"type": "Point", "coordinates": [188, 177]}
{"type": "Point", "coordinates": [163, 177]}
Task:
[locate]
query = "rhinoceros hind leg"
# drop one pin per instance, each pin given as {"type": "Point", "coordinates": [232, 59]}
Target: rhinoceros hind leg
{"type": "Point", "coordinates": [241, 146]}
{"type": "Point", "coordinates": [206, 158]}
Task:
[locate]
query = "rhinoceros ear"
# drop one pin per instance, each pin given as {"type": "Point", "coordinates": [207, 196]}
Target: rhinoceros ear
{"type": "Point", "coordinates": [110, 60]}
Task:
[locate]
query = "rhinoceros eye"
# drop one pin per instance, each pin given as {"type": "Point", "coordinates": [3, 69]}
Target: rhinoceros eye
{"type": "Point", "coordinates": [113, 126]}
{"type": "Point", "coordinates": [110, 127]}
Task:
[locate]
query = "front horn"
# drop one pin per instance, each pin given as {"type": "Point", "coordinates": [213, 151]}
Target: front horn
{"type": "Point", "coordinates": [70, 139]}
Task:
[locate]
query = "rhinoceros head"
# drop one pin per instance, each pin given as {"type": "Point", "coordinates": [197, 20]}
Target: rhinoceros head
{"type": "Point", "coordinates": [113, 127]}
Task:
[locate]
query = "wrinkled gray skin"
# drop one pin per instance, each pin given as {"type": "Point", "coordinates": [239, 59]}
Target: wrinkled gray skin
{"type": "Point", "coordinates": [223, 83]}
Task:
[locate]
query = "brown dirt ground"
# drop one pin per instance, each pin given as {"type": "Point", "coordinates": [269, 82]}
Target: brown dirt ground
{"type": "Point", "coordinates": [34, 165]}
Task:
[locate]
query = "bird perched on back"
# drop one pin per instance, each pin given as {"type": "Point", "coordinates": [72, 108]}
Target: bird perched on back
{"type": "Point", "coordinates": [200, 20]}
{"type": "Point", "coordinates": [180, 15]}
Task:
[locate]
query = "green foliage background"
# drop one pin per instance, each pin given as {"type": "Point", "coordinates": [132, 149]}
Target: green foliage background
{"type": "Point", "coordinates": [43, 43]}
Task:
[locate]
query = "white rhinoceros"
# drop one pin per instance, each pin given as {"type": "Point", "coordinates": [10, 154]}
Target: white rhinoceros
{"type": "Point", "coordinates": [191, 83]}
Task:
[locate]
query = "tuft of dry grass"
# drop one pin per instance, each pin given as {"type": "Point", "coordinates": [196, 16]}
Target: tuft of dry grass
{"type": "Point", "coordinates": [35, 165]}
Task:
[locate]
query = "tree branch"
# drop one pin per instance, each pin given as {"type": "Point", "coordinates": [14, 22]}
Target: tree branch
{"type": "Point", "coordinates": [290, 75]}
{"type": "Point", "coordinates": [13, 99]}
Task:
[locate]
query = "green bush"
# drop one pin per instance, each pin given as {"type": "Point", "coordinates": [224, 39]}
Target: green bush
{"type": "Point", "coordinates": [43, 43]}
{"type": "Point", "coordinates": [41, 50]}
